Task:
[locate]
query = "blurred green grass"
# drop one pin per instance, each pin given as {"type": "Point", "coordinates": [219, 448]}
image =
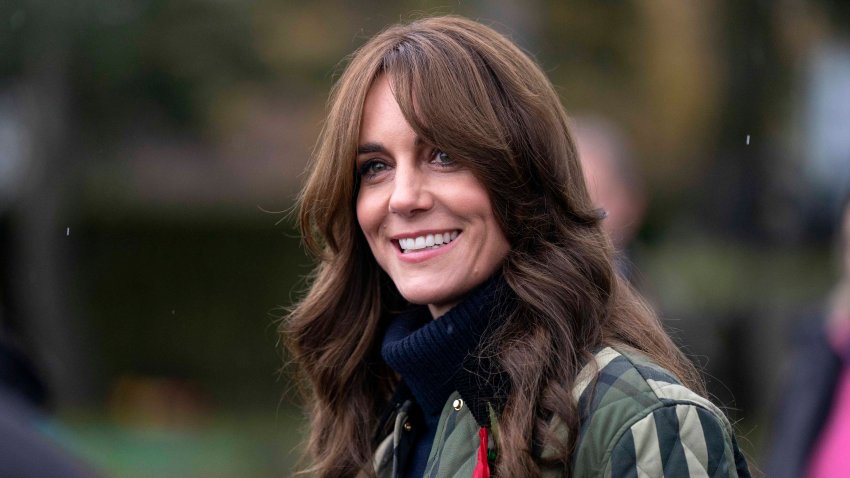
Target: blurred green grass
{"type": "Point", "coordinates": [229, 445]}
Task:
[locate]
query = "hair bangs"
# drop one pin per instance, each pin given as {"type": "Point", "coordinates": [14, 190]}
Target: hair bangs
{"type": "Point", "coordinates": [444, 91]}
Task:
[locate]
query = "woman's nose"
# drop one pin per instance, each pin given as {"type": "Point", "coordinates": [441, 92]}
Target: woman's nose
{"type": "Point", "coordinates": [410, 192]}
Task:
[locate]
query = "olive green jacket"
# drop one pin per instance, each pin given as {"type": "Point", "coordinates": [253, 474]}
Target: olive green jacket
{"type": "Point", "coordinates": [636, 421]}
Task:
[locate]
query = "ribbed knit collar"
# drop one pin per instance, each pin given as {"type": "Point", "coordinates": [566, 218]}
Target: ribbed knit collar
{"type": "Point", "coordinates": [437, 357]}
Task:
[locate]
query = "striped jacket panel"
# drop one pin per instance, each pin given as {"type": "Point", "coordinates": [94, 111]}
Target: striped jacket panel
{"type": "Point", "coordinates": [639, 421]}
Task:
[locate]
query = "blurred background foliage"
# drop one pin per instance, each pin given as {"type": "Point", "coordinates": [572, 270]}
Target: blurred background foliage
{"type": "Point", "coordinates": [150, 149]}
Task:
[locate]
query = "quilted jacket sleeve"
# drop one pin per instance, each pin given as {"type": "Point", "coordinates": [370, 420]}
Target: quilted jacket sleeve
{"type": "Point", "coordinates": [682, 440]}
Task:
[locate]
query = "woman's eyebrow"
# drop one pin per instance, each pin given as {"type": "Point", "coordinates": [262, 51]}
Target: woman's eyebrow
{"type": "Point", "coordinates": [369, 148]}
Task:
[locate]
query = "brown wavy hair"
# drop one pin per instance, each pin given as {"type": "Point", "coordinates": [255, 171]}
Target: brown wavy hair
{"type": "Point", "coordinates": [469, 91]}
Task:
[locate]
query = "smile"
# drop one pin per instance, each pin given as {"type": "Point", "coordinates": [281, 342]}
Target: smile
{"type": "Point", "coordinates": [433, 241]}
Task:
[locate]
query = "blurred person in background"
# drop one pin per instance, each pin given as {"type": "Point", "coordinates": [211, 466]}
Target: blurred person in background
{"type": "Point", "coordinates": [26, 450]}
{"type": "Point", "coordinates": [27, 427]}
{"type": "Point", "coordinates": [812, 431]}
{"type": "Point", "coordinates": [613, 183]}
{"type": "Point", "coordinates": [465, 316]}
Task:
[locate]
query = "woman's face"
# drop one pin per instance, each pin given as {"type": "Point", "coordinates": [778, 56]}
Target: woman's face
{"type": "Point", "coordinates": [428, 220]}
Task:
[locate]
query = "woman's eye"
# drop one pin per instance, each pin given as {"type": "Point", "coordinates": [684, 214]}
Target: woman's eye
{"type": "Point", "coordinates": [442, 158]}
{"type": "Point", "coordinates": [372, 168]}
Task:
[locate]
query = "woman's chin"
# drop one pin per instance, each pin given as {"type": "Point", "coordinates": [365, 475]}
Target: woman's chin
{"type": "Point", "coordinates": [435, 298]}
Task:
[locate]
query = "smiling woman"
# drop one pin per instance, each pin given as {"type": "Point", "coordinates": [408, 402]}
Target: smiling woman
{"type": "Point", "coordinates": [464, 316]}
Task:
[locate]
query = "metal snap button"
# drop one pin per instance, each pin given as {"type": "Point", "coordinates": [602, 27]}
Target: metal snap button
{"type": "Point", "coordinates": [407, 426]}
{"type": "Point", "coordinates": [457, 404]}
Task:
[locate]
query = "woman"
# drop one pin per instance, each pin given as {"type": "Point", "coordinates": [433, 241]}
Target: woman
{"type": "Point", "coordinates": [464, 317]}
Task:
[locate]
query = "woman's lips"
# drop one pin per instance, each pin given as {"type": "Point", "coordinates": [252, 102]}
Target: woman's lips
{"type": "Point", "coordinates": [426, 252]}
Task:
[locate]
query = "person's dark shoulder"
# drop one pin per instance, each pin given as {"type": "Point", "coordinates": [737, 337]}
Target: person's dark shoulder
{"type": "Point", "coordinates": [25, 452]}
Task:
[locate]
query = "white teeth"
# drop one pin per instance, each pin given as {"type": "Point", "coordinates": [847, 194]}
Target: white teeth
{"type": "Point", "coordinates": [431, 240]}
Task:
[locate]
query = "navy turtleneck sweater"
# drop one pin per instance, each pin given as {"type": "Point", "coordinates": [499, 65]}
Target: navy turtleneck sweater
{"type": "Point", "coordinates": [429, 355]}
